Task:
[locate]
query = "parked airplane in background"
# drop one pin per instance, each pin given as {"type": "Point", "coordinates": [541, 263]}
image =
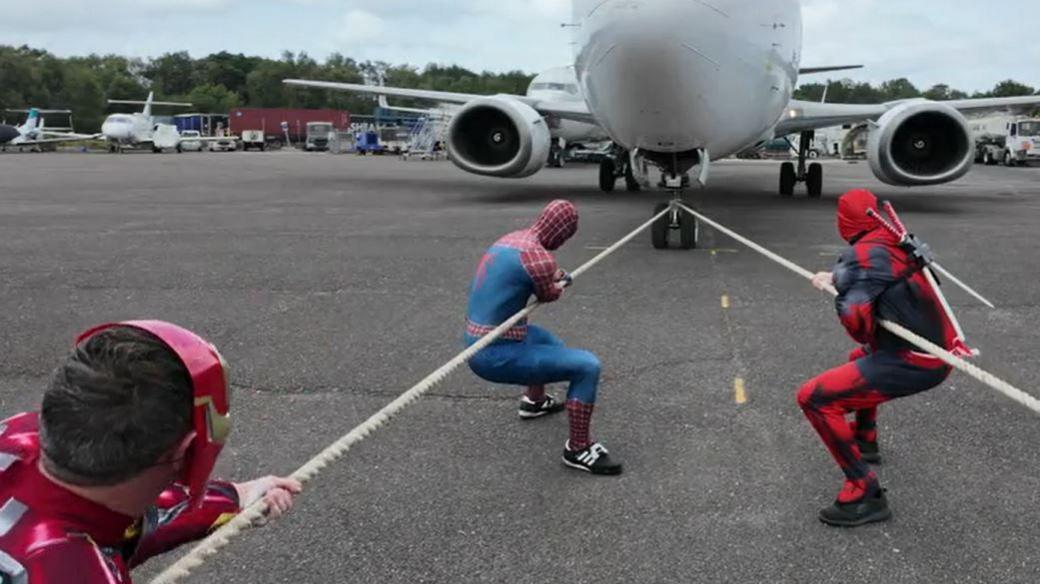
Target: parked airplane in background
{"type": "Point", "coordinates": [139, 129]}
{"type": "Point", "coordinates": [559, 84]}
{"type": "Point", "coordinates": [677, 84]}
{"type": "Point", "coordinates": [33, 134]}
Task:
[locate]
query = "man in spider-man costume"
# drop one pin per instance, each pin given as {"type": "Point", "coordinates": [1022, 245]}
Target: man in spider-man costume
{"type": "Point", "coordinates": [878, 277]}
{"type": "Point", "coordinates": [114, 469]}
{"type": "Point", "coordinates": [517, 267]}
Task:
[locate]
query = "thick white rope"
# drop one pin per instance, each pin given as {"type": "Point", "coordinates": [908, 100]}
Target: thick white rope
{"type": "Point", "coordinates": [255, 513]}
{"type": "Point", "coordinates": [918, 341]}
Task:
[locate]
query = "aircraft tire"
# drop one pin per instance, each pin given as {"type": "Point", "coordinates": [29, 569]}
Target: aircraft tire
{"type": "Point", "coordinates": [607, 178]}
{"type": "Point", "coordinates": [631, 183]}
{"type": "Point", "coordinates": [659, 230]}
{"type": "Point", "coordinates": [689, 231]}
{"type": "Point", "coordinates": [787, 179]}
{"type": "Point", "coordinates": [814, 180]}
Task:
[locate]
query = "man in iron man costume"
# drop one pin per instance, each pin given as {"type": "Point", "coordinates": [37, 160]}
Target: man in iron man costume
{"type": "Point", "coordinates": [115, 467]}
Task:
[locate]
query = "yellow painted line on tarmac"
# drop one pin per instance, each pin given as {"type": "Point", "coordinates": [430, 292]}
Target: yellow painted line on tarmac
{"type": "Point", "coordinates": [725, 301]}
{"type": "Point", "coordinates": [739, 391]}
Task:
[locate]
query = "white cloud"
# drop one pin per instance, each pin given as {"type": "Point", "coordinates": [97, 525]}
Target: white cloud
{"type": "Point", "coordinates": [359, 27]}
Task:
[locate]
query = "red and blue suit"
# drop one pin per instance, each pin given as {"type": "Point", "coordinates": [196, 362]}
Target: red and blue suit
{"type": "Point", "coordinates": [50, 535]}
{"type": "Point", "coordinates": [876, 279]}
{"type": "Point", "coordinates": [517, 267]}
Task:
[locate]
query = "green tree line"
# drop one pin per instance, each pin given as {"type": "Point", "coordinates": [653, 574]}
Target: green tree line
{"type": "Point", "coordinates": [215, 83]}
{"type": "Point", "coordinates": [219, 82]}
{"type": "Point", "coordinates": [848, 91]}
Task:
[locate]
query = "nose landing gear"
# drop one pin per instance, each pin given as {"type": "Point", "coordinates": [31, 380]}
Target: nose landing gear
{"type": "Point", "coordinates": [676, 220]}
{"type": "Point", "coordinates": [811, 176]}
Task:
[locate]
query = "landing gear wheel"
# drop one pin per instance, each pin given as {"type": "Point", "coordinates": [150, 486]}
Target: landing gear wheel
{"type": "Point", "coordinates": [787, 179]}
{"type": "Point", "coordinates": [607, 176]}
{"type": "Point", "coordinates": [814, 180]}
{"type": "Point", "coordinates": [556, 158]}
{"type": "Point", "coordinates": [631, 183]}
{"type": "Point", "coordinates": [659, 230]}
{"type": "Point", "coordinates": [689, 231]}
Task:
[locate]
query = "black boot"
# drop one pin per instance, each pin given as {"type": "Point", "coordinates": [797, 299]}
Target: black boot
{"type": "Point", "coordinates": [869, 451]}
{"type": "Point", "coordinates": [872, 508]}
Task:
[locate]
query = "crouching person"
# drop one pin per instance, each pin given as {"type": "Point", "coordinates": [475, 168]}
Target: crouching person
{"type": "Point", "coordinates": [517, 267]}
{"type": "Point", "coordinates": [115, 467]}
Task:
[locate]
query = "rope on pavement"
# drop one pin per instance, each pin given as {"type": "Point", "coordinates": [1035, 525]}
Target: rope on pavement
{"type": "Point", "coordinates": [255, 513]}
{"type": "Point", "coordinates": [900, 331]}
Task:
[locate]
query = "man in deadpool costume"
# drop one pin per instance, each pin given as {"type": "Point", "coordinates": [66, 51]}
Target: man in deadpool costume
{"type": "Point", "coordinates": [878, 277]}
{"type": "Point", "coordinates": [515, 268]}
{"type": "Point", "coordinates": [114, 469]}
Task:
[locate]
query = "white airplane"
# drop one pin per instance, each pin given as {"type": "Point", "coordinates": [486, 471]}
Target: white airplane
{"type": "Point", "coordinates": [680, 83]}
{"type": "Point", "coordinates": [34, 134]}
{"type": "Point", "coordinates": [139, 129]}
{"type": "Point", "coordinates": [559, 84]}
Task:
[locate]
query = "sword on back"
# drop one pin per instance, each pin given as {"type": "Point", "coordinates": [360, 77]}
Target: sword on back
{"type": "Point", "coordinates": [923, 254]}
{"type": "Point", "coordinates": [921, 250]}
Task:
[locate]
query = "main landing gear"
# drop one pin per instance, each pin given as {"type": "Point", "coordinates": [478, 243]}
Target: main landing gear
{"type": "Point", "coordinates": [616, 165]}
{"type": "Point", "coordinates": [812, 177]}
{"type": "Point", "coordinates": [557, 153]}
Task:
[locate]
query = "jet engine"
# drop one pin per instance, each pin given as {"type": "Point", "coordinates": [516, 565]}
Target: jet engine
{"type": "Point", "coordinates": [499, 136]}
{"type": "Point", "coordinates": [920, 143]}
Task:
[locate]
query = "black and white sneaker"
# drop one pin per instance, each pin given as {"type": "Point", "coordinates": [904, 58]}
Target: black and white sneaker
{"type": "Point", "coordinates": [530, 410]}
{"type": "Point", "coordinates": [595, 459]}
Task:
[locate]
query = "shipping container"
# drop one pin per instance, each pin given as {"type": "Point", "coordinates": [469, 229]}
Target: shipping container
{"type": "Point", "coordinates": [205, 124]}
{"type": "Point", "coordinates": [270, 120]}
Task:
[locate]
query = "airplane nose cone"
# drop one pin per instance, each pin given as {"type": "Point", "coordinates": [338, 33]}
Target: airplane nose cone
{"type": "Point", "coordinates": [115, 131]}
{"type": "Point", "coordinates": [675, 76]}
{"type": "Point", "coordinates": [655, 70]}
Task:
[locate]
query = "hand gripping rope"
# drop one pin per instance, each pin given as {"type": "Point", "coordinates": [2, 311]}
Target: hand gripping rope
{"type": "Point", "coordinates": [255, 513]}
{"type": "Point", "coordinates": [925, 345]}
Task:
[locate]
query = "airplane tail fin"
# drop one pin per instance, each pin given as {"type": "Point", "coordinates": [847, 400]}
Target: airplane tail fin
{"type": "Point", "coordinates": [149, 103]}
{"type": "Point", "coordinates": [33, 120]}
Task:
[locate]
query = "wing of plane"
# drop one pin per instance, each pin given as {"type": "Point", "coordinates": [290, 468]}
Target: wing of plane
{"type": "Point", "coordinates": [814, 70]}
{"type": "Point", "coordinates": [577, 111]}
{"type": "Point", "coordinates": [806, 115]}
{"type": "Point", "coordinates": [58, 137]}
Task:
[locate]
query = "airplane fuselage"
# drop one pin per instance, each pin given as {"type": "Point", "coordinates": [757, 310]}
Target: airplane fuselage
{"type": "Point", "coordinates": [560, 85]}
{"type": "Point", "coordinates": [674, 76]}
{"type": "Point", "coordinates": [127, 129]}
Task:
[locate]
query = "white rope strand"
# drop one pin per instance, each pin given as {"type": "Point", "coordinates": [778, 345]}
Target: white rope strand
{"type": "Point", "coordinates": [183, 567]}
{"type": "Point", "coordinates": [902, 332]}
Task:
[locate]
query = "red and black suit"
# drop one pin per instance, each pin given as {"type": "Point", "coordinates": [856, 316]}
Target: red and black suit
{"type": "Point", "coordinates": [876, 279]}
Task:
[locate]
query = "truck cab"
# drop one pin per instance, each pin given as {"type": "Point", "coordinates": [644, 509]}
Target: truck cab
{"type": "Point", "coordinates": [1011, 141]}
{"type": "Point", "coordinates": [318, 134]}
{"type": "Point", "coordinates": [1022, 143]}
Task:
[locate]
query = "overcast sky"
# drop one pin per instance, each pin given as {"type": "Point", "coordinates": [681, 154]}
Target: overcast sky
{"type": "Point", "coordinates": [970, 44]}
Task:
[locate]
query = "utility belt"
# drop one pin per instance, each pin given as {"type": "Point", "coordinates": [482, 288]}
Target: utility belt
{"type": "Point", "coordinates": [517, 333]}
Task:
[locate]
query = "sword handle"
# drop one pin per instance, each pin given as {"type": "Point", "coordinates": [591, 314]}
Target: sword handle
{"type": "Point", "coordinates": [884, 223]}
{"type": "Point", "coordinates": [891, 212]}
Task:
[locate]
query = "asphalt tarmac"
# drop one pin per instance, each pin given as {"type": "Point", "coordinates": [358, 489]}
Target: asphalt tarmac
{"type": "Point", "coordinates": [333, 283]}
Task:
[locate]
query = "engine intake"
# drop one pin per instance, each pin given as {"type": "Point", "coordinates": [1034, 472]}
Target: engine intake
{"type": "Point", "coordinates": [921, 143]}
{"type": "Point", "coordinates": [499, 136]}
